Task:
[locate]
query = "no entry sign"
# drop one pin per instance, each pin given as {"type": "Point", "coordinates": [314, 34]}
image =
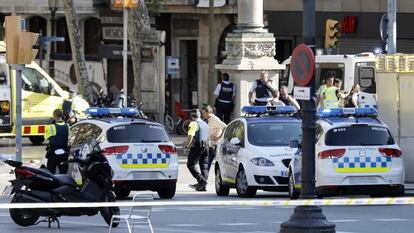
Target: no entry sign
{"type": "Point", "coordinates": [302, 65]}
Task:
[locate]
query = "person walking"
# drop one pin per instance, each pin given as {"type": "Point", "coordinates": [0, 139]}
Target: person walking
{"type": "Point", "coordinates": [287, 99]}
{"type": "Point", "coordinates": [215, 131]}
{"type": "Point", "coordinates": [197, 144]}
{"type": "Point", "coordinates": [224, 95]}
{"type": "Point", "coordinates": [57, 150]}
{"type": "Point", "coordinates": [263, 88]}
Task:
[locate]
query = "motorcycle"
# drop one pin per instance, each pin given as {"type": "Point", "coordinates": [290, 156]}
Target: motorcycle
{"type": "Point", "coordinates": [33, 185]}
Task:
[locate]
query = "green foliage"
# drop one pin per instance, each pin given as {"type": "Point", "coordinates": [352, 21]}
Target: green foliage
{"type": "Point", "coordinates": [154, 6]}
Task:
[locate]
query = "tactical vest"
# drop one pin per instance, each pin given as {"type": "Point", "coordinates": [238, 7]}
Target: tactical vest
{"type": "Point", "coordinates": [331, 100]}
{"type": "Point", "coordinates": [201, 136]}
{"type": "Point", "coordinates": [262, 91]}
{"type": "Point", "coordinates": [60, 139]}
{"type": "Point", "coordinates": [226, 92]}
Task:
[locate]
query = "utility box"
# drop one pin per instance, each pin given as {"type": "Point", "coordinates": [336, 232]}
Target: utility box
{"type": "Point", "coordinates": [395, 93]}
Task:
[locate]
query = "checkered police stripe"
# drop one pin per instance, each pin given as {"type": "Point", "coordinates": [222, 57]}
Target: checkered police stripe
{"type": "Point", "coordinates": [362, 164]}
{"type": "Point", "coordinates": [147, 160]}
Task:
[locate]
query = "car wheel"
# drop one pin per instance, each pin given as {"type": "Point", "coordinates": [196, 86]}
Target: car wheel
{"type": "Point", "coordinates": [242, 187]}
{"type": "Point", "coordinates": [167, 193]}
{"type": "Point", "coordinates": [293, 192]}
{"type": "Point", "coordinates": [122, 192]}
{"type": "Point", "coordinates": [221, 188]}
{"type": "Point", "coordinates": [37, 140]}
{"type": "Point", "coordinates": [397, 191]}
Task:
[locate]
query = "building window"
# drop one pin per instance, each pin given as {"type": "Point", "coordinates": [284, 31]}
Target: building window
{"type": "Point", "coordinates": [62, 31]}
{"type": "Point", "coordinates": [92, 36]}
{"type": "Point", "coordinates": [38, 24]}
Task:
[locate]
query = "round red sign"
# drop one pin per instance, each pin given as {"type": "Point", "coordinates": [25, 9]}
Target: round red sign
{"type": "Point", "coordinates": [302, 65]}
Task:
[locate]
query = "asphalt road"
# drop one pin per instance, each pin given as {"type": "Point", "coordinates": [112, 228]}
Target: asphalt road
{"type": "Point", "coordinates": [219, 219]}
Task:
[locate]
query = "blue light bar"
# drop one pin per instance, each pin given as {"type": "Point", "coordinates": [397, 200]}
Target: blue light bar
{"type": "Point", "coordinates": [344, 112]}
{"type": "Point", "coordinates": [268, 109]}
{"type": "Point", "coordinates": [102, 112]}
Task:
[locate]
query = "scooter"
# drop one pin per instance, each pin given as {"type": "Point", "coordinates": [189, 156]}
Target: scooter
{"type": "Point", "coordinates": [33, 185]}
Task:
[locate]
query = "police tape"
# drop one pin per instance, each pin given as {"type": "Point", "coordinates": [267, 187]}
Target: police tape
{"type": "Point", "coordinates": [318, 202]}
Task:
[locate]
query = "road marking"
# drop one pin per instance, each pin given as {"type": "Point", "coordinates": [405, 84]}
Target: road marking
{"type": "Point", "coordinates": [185, 225]}
{"type": "Point", "coordinates": [343, 220]}
{"type": "Point", "coordinates": [391, 219]}
{"type": "Point", "coordinates": [238, 224]}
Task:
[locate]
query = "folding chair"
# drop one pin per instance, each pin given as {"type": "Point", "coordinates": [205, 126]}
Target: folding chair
{"type": "Point", "coordinates": [138, 215]}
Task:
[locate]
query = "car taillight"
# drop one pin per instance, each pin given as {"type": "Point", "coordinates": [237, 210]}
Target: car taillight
{"type": "Point", "coordinates": [390, 152]}
{"type": "Point", "coordinates": [335, 153]}
{"type": "Point", "coordinates": [167, 149]}
{"type": "Point", "coordinates": [115, 150]}
{"type": "Point", "coordinates": [25, 173]}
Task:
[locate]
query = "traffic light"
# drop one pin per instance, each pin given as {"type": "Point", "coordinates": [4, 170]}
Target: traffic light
{"type": "Point", "coordinates": [26, 52]}
{"type": "Point", "coordinates": [332, 33]}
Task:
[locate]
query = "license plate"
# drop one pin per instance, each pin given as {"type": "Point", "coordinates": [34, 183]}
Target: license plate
{"type": "Point", "coordinates": [284, 173]}
{"type": "Point", "coordinates": [145, 175]}
{"type": "Point", "coordinates": [362, 180]}
{"type": "Point", "coordinates": [7, 191]}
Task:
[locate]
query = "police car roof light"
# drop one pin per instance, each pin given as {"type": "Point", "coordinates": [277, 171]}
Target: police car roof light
{"type": "Point", "coordinates": [104, 112]}
{"type": "Point", "coordinates": [268, 109]}
{"type": "Point", "coordinates": [344, 112]}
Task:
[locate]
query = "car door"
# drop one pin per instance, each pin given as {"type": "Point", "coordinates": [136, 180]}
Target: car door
{"type": "Point", "coordinates": [38, 97]}
{"type": "Point", "coordinates": [235, 149]}
{"type": "Point", "coordinates": [228, 135]}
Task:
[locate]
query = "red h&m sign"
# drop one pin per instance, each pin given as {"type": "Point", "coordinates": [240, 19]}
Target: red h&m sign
{"type": "Point", "coordinates": [349, 24]}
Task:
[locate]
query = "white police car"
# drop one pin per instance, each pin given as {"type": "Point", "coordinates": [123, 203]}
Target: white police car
{"type": "Point", "coordinates": [254, 152]}
{"type": "Point", "coordinates": [355, 153]}
{"type": "Point", "coordinates": [139, 151]}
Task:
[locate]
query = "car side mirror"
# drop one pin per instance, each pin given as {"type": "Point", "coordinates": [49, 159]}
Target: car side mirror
{"type": "Point", "coordinates": [235, 141]}
{"type": "Point", "coordinates": [294, 144]}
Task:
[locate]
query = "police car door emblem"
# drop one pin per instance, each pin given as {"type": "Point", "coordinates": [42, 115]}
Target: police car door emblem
{"type": "Point", "coordinates": [362, 153]}
{"type": "Point", "coordinates": [144, 150]}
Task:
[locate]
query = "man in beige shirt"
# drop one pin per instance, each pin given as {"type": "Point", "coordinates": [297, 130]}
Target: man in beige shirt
{"type": "Point", "coordinates": [215, 131]}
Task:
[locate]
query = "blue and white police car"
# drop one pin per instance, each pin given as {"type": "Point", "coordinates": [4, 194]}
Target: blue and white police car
{"type": "Point", "coordinates": [355, 153]}
{"type": "Point", "coordinates": [139, 150]}
{"type": "Point", "coordinates": [254, 152]}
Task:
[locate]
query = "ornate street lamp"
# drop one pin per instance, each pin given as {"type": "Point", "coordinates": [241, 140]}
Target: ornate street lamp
{"type": "Point", "coordinates": [53, 8]}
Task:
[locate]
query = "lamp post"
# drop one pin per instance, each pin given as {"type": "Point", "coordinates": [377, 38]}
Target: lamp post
{"type": "Point", "coordinates": [53, 8]}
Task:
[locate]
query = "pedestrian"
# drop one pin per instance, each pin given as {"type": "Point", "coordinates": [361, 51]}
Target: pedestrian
{"type": "Point", "coordinates": [57, 150]}
{"type": "Point", "coordinates": [287, 99]}
{"type": "Point", "coordinates": [329, 81]}
{"type": "Point", "coordinates": [224, 95]}
{"type": "Point", "coordinates": [332, 95]}
{"type": "Point", "coordinates": [197, 144]}
{"type": "Point", "coordinates": [71, 118]}
{"type": "Point", "coordinates": [215, 131]}
{"type": "Point", "coordinates": [352, 100]}
{"type": "Point", "coordinates": [263, 87]}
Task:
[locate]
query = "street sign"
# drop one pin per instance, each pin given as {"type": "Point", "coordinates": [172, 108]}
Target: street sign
{"type": "Point", "coordinates": [173, 65]}
{"type": "Point", "coordinates": [301, 93]}
{"type": "Point", "coordinates": [302, 65]}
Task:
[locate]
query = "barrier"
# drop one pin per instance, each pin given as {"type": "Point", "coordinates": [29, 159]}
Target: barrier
{"type": "Point", "coordinates": [318, 202]}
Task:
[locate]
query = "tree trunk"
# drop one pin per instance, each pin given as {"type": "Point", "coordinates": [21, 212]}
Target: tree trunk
{"type": "Point", "coordinates": [138, 22]}
{"type": "Point", "coordinates": [78, 56]}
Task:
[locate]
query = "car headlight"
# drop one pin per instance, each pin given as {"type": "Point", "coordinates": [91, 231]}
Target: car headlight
{"type": "Point", "coordinates": [262, 162]}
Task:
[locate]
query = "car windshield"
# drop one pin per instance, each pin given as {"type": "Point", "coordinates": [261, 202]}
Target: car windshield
{"type": "Point", "coordinates": [359, 135]}
{"type": "Point", "coordinates": [135, 133]}
{"type": "Point", "coordinates": [273, 133]}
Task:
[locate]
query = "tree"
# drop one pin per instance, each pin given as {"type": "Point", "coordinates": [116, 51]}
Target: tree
{"type": "Point", "coordinates": [78, 56]}
{"type": "Point", "coordinates": [139, 23]}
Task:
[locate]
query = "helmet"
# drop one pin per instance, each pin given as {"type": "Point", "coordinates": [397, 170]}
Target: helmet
{"type": "Point", "coordinates": [69, 114]}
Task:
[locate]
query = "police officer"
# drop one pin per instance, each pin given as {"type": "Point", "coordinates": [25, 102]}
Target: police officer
{"type": "Point", "coordinates": [57, 134]}
{"type": "Point", "coordinates": [332, 95]}
{"type": "Point", "coordinates": [197, 143]}
{"type": "Point", "coordinates": [70, 117]}
{"type": "Point", "coordinates": [224, 94]}
{"type": "Point", "coordinates": [264, 90]}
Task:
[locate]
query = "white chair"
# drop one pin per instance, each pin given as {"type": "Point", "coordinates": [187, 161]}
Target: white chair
{"type": "Point", "coordinates": [138, 215]}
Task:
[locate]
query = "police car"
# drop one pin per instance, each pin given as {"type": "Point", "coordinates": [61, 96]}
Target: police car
{"type": "Point", "coordinates": [254, 152]}
{"type": "Point", "coordinates": [139, 150]}
{"type": "Point", "coordinates": [355, 153]}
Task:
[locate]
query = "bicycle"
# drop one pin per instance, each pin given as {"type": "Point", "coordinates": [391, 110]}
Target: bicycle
{"type": "Point", "coordinates": [181, 125]}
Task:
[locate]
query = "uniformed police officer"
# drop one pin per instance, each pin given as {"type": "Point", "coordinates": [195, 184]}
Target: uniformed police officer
{"type": "Point", "coordinates": [224, 94]}
{"type": "Point", "coordinates": [70, 117]}
{"type": "Point", "coordinates": [264, 90]}
{"type": "Point", "coordinates": [57, 134]}
{"type": "Point", "coordinates": [332, 95]}
{"type": "Point", "coordinates": [197, 143]}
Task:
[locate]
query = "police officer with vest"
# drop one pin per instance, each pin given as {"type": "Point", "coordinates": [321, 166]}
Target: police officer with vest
{"type": "Point", "coordinates": [264, 90]}
{"type": "Point", "coordinates": [332, 95]}
{"type": "Point", "coordinates": [57, 149]}
{"type": "Point", "coordinates": [197, 143]}
{"type": "Point", "coordinates": [224, 94]}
